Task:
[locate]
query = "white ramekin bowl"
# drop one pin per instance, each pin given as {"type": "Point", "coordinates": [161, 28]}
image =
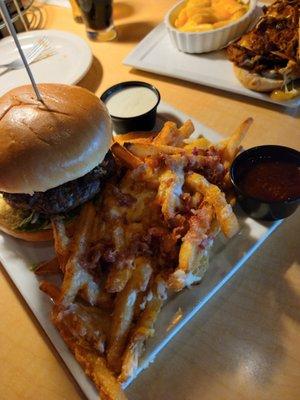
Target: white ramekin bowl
{"type": "Point", "coordinates": [203, 42]}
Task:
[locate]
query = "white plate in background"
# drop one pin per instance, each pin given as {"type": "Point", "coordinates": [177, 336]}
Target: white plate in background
{"type": "Point", "coordinates": [156, 53]}
{"type": "Point", "coordinates": [228, 256]}
{"type": "Point", "coordinates": [69, 64]}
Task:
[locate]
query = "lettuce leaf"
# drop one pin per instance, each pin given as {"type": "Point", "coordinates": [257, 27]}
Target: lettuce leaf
{"type": "Point", "coordinates": [34, 222]}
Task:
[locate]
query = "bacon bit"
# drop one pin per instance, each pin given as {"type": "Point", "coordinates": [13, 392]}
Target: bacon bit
{"type": "Point", "coordinates": [212, 151]}
{"type": "Point", "coordinates": [90, 260]}
{"type": "Point", "coordinates": [123, 199]}
{"type": "Point", "coordinates": [110, 255]}
{"type": "Point", "coordinates": [190, 203]}
{"type": "Point", "coordinates": [199, 225]}
{"type": "Point", "coordinates": [210, 165]}
{"type": "Point", "coordinates": [157, 231]}
{"type": "Point", "coordinates": [186, 199]}
{"type": "Point", "coordinates": [169, 243]}
{"type": "Point", "coordinates": [198, 152]}
{"type": "Point", "coordinates": [206, 242]}
{"type": "Point", "coordinates": [179, 224]}
{"type": "Point", "coordinates": [157, 161]}
{"type": "Point", "coordinates": [140, 245]}
{"type": "Point", "coordinates": [179, 232]}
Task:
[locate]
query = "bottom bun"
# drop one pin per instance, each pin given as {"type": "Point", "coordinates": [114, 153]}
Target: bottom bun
{"type": "Point", "coordinates": [10, 219]}
{"type": "Point", "coordinates": [256, 82]}
{"type": "Point", "coordinates": [37, 236]}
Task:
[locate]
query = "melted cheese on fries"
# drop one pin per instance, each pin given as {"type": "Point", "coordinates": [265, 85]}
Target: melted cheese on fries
{"type": "Point", "coordinates": [148, 235]}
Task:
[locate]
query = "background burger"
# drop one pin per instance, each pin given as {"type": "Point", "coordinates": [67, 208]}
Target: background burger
{"type": "Point", "coordinates": [268, 57]}
{"type": "Point", "coordinates": [53, 156]}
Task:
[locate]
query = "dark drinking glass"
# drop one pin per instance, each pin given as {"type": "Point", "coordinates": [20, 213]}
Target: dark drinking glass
{"type": "Point", "coordinates": [98, 18]}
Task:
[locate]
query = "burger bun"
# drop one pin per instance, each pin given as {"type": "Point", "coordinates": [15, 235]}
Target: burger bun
{"type": "Point", "coordinates": [257, 82]}
{"type": "Point", "coordinates": [11, 218]}
{"type": "Point", "coordinates": [37, 236]}
{"type": "Point", "coordinates": [44, 145]}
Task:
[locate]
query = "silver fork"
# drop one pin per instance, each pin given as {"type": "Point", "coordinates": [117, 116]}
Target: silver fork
{"type": "Point", "coordinates": [39, 50]}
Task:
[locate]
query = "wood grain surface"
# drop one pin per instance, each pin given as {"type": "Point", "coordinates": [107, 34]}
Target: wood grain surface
{"type": "Point", "coordinates": [245, 343]}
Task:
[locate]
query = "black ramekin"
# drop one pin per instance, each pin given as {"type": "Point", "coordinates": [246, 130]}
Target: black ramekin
{"type": "Point", "coordinates": [143, 122]}
{"type": "Point", "coordinates": [255, 207]}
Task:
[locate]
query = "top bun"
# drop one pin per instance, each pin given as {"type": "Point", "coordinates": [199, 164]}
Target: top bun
{"type": "Point", "coordinates": [44, 145]}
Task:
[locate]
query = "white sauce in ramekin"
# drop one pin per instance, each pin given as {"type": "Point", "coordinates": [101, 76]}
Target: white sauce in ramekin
{"type": "Point", "coordinates": [131, 102]}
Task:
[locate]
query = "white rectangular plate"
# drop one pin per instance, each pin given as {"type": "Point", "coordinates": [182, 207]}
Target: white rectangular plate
{"type": "Point", "coordinates": [228, 257]}
{"type": "Point", "coordinates": [156, 53]}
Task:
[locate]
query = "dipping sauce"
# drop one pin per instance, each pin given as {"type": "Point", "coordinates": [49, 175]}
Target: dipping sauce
{"type": "Point", "coordinates": [131, 102]}
{"type": "Point", "coordinates": [272, 181]}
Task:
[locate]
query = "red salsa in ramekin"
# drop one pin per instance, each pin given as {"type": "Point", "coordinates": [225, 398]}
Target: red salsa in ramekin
{"type": "Point", "coordinates": [267, 181]}
{"type": "Point", "coordinates": [272, 180]}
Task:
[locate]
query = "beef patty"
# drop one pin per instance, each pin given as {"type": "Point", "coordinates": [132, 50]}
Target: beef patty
{"type": "Point", "coordinates": [67, 196]}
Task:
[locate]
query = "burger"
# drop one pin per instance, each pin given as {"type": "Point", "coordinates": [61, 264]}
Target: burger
{"type": "Point", "coordinates": [54, 156]}
{"type": "Point", "coordinates": [268, 57]}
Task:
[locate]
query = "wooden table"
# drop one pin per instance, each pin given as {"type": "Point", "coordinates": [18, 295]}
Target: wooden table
{"type": "Point", "coordinates": [245, 344]}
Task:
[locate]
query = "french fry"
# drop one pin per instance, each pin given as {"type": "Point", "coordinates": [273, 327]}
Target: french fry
{"type": "Point", "coordinates": [142, 140]}
{"type": "Point", "coordinates": [169, 191]}
{"type": "Point", "coordinates": [91, 361]}
{"type": "Point", "coordinates": [90, 325]}
{"type": "Point", "coordinates": [61, 240]}
{"type": "Point", "coordinates": [51, 290]}
{"type": "Point", "coordinates": [221, 145]}
{"type": "Point", "coordinates": [198, 262]}
{"type": "Point", "coordinates": [105, 300]}
{"type": "Point", "coordinates": [139, 305]}
{"type": "Point", "coordinates": [185, 131]}
{"type": "Point", "coordinates": [117, 279]}
{"type": "Point", "coordinates": [193, 137]}
{"type": "Point", "coordinates": [123, 313]}
{"type": "Point", "coordinates": [50, 267]}
{"type": "Point", "coordinates": [231, 198]}
{"type": "Point", "coordinates": [168, 131]}
{"type": "Point", "coordinates": [126, 157]}
{"type": "Point", "coordinates": [141, 137]}
{"type": "Point", "coordinates": [84, 230]}
{"type": "Point", "coordinates": [118, 236]}
{"type": "Point", "coordinates": [201, 143]}
{"type": "Point", "coordinates": [192, 251]}
{"type": "Point", "coordinates": [201, 265]}
{"type": "Point", "coordinates": [172, 136]}
{"type": "Point", "coordinates": [232, 147]}
{"type": "Point", "coordinates": [143, 329]}
{"type": "Point", "coordinates": [213, 195]}
{"type": "Point", "coordinates": [76, 277]}
{"type": "Point", "coordinates": [151, 150]}
{"type": "Point", "coordinates": [97, 369]}
{"type": "Point", "coordinates": [59, 231]}
{"type": "Point", "coordinates": [121, 271]}
{"type": "Point", "coordinates": [101, 298]}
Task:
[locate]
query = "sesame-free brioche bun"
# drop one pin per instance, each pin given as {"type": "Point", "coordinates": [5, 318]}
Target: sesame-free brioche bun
{"type": "Point", "coordinates": [255, 81]}
{"type": "Point", "coordinates": [10, 219]}
{"type": "Point", "coordinates": [44, 145]}
{"type": "Point", "coordinates": [37, 236]}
